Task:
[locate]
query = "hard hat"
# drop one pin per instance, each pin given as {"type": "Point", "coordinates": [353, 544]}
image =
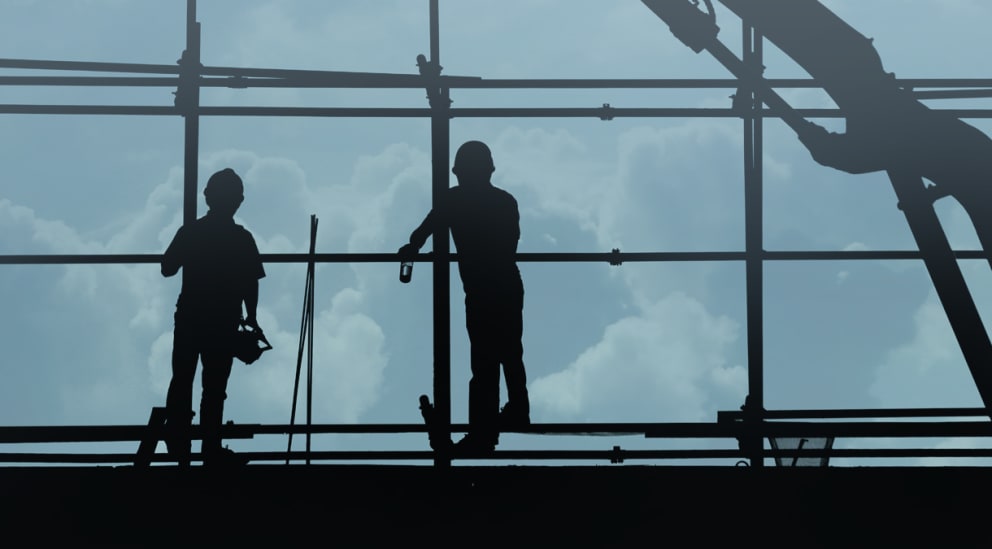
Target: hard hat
{"type": "Point", "coordinates": [249, 344]}
{"type": "Point", "coordinates": [224, 183]}
{"type": "Point", "coordinates": [474, 156]}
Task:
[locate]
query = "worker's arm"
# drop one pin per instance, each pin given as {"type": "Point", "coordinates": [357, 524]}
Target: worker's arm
{"type": "Point", "coordinates": [251, 303]}
{"type": "Point", "coordinates": [171, 261]}
{"type": "Point", "coordinates": [419, 235]}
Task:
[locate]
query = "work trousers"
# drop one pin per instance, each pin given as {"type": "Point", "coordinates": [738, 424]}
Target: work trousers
{"type": "Point", "coordinates": [209, 343]}
{"type": "Point", "coordinates": [495, 329]}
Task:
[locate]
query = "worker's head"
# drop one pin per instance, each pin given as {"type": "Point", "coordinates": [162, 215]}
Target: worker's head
{"type": "Point", "coordinates": [473, 163]}
{"type": "Point", "coordinates": [224, 192]}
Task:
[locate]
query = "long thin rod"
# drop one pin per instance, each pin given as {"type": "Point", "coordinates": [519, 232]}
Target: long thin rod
{"type": "Point", "coordinates": [312, 269]}
{"type": "Point", "coordinates": [306, 321]}
{"type": "Point", "coordinates": [540, 257]}
{"type": "Point", "coordinates": [333, 79]}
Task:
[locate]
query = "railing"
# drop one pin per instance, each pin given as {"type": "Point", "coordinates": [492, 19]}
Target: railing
{"type": "Point", "coordinates": [730, 427]}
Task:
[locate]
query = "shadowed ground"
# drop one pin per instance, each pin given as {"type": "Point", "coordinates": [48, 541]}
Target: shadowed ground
{"type": "Point", "coordinates": [507, 506]}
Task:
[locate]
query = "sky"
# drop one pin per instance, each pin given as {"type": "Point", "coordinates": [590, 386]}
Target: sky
{"type": "Point", "coordinates": [639, 342]}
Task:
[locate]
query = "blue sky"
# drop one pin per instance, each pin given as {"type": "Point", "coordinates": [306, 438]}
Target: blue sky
{"type": "Point", "coordinates": [90, 344]}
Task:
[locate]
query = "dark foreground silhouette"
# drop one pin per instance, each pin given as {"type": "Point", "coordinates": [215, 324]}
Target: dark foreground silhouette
{"type": "Point", "coordinates": [485, 226]}
{"type": "Point", "coordinates": [221, 268]}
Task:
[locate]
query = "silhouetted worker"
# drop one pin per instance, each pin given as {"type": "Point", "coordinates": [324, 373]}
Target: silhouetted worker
{"type": "Point", "coordinates": [221, 268]}
{"type": "Point", "coordinates": [485, 226]}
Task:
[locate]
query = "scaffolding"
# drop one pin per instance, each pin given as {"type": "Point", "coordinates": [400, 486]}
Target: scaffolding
{"type": "Point", "coordinates": [749, 427]}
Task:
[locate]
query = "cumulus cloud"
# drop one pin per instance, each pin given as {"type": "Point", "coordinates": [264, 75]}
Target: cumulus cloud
{"type": "Point", "coordinates": [98, 326]}
{"type": "Point", "coordinates": [669, 358]}
{"type": "Point", "coordinates": [666, 364]}
{"type": "Point", "coordinates": [662, 186]}
{"type": "Point", "coordinates": [127, 309]}
{"type": "Point", "coordinates": [929, 370]}
{"type": "Point", "coordinates": [929, 367]}
{"type": "Point", "coordinates": [348, 364]}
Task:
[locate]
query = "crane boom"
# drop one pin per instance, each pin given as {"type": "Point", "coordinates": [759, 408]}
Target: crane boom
{"type": "Point", "coordinates": [888, 130]}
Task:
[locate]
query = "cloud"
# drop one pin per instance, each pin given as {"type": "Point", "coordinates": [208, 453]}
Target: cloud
{"type": "Point", "coordinates": [98, 314]}
{"type": "Point", "coordinates": [554, 174]}
{"type": "Point", "coordinates": [928, 370]}
{"type": "Point", "coordinates": [349, 361]}
{"type": "Point", "coordinates": [669, 359]}
{"type": "Point", "coordinates": [384, 199]}
{"type": "Point", "coordinates": [666, 364]}
{"type": "Point", "coordinates": [126, 310]}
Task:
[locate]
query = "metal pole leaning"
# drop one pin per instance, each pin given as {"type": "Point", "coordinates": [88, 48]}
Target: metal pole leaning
{"type": "Point", "coordinates": [312, 269]}
{"type": "Point", "coordinates": [306, 340]}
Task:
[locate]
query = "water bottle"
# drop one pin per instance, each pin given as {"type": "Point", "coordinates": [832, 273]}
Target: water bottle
{"type": "Point", "coordinates": [406, 271]}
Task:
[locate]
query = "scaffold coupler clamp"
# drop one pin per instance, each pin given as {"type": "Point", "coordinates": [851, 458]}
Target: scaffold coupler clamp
{"type": "Point", "coordinates": [189, 73]}
{"type": "Point", "coordinates": [431, 71]}
{"type": "Point", "coordinates": [744, 101]}
{"type": "Point", "coordinates": [615, 259]}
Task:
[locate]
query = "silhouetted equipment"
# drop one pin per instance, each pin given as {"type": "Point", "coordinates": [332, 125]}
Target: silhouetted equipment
{"type": "Point", "coordinates": [782, 445]}
{"type": "Point", "coordinates": [847, 66]}
{"type": "Point", "coordinates": [250, 343]}
{"type": "Point", "coordinates": [406, 271]}
{"type": "Point", "coordinates": [146, 449]}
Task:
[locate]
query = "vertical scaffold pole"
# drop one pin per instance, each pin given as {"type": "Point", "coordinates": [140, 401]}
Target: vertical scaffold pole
{"type": "Point", "coordinates": [753, 242]}
{"type": "Point", "coordinates": [440, 142]}
{"type": "Point", "coordinates": [188, 104]}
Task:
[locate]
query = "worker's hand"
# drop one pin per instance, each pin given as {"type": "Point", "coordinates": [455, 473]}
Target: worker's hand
{"type": "Point", "coordinates": [408, 251]}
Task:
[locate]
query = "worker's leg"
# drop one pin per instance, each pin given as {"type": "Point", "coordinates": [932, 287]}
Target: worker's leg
{"type": "Point", "coordinates": [483, 388]}
{"type": "Point", "coordinates": [179, 399]}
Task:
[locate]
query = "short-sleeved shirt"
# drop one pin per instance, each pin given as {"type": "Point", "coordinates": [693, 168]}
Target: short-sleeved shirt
{"type": "Point", "coordinates": [220, 260]}
{"type": "Point", "coordinates": [485, 226]}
